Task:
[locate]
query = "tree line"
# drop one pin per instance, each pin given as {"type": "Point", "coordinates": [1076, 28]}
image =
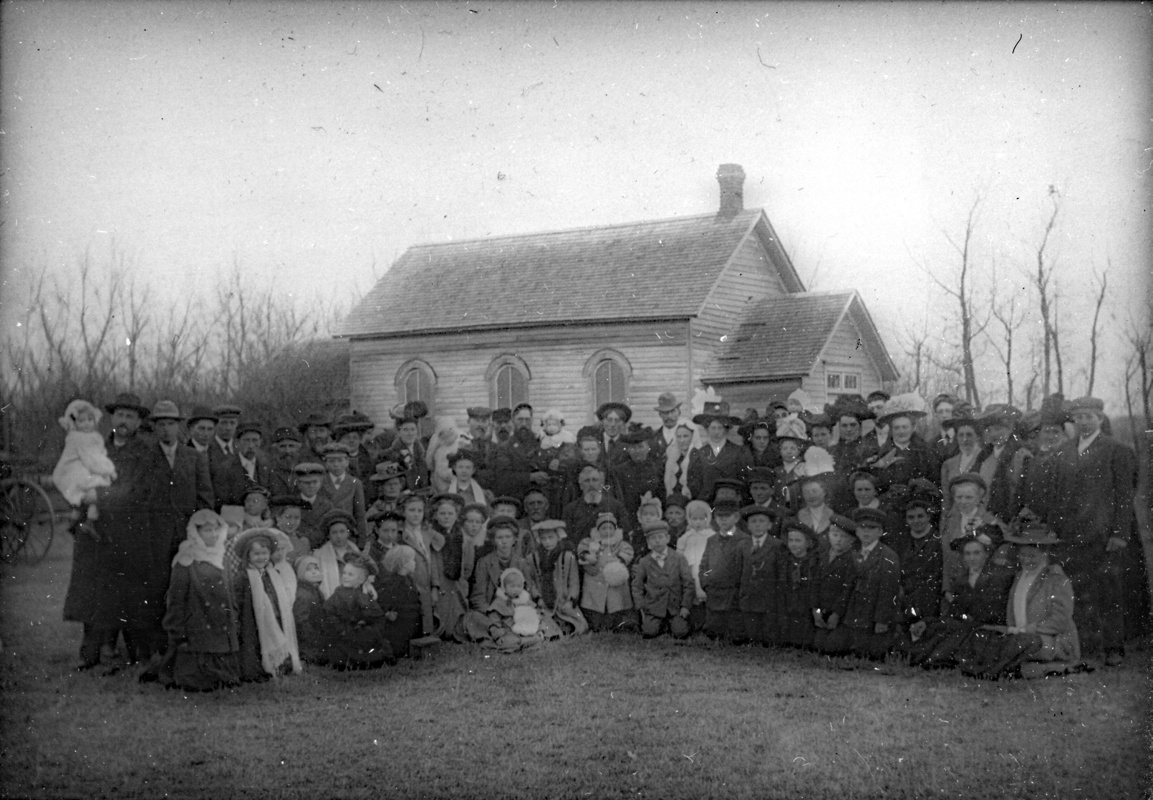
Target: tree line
{"type": "Point", "coordinates": [95, 329]}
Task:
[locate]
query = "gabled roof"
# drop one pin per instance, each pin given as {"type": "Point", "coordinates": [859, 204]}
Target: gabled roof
{"type": "Point", "coordinates": [783, 337]}
{"type": "Point", "coordinates": [636, 271]}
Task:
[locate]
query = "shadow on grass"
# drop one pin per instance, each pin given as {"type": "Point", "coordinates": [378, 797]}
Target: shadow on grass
{"type": "Point", "coordinates": [602, 716]}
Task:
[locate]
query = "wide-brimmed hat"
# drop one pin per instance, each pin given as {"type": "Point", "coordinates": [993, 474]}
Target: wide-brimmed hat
{"type": "Point", "coordinates": [130, 401]}
{"type": "Point", "coordinates": [978, 536]}
{"type": "Point", "coordinates": [910, 405]}
{"type": "Point", "coordinates": [716, 411]}
{"type": "Point", "coordinates": [202, 412]}
{"type": "Point", "coordinates": [315, 420]}
{"type": "Point", "coordinates": [849, 405]}
{"type": "Point", "coordinates": [1033, 533]}
{"type": "Point", "coordinates": [637, 435]}
{"type": "Point", "coordinates": [165, 409]}
{"type": "Point", "coordinates": [387, 470]}
{"type": "Point", "coordinates": [352, 422]}
{"type": "Point", "coordinates": [667, 402]}
{"type": "Point", "coordinates": [792, 427]}
{"type": "Point", "coordinates": [335, 515]}
{"type": "Point", "coordinates": [612, 405]}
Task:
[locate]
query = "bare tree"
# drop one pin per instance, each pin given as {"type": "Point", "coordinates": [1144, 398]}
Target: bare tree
{"type": "Point", "coordinates": [1043, 282]}
{"type": "Point", "coordinates": [1009, 318]}
{"type": "Point", "coordinates": [1102, 283]}
{"type": "Point", "coordinates": [959, 287]}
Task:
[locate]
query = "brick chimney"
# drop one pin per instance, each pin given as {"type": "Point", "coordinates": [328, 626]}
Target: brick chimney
{"type": "Point", "coordinates": [731, 177]}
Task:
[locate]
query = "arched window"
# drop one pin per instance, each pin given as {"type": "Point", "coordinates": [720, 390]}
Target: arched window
{"type": "Point", "coordinates": [415, 380]}
{"type": "Point", "coordinates": [508, 377]}
{"type": "Point", "coordinates": [609, 373]}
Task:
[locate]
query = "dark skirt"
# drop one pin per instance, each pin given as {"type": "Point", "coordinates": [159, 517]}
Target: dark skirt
{"type": "Point", "coordinates": [202, 672]}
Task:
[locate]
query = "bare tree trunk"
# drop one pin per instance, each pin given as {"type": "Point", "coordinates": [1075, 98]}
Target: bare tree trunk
{"type": "Point", "coordinates": [1102, 284]}
{"type": "Point", "coordinates": [1042, 281]}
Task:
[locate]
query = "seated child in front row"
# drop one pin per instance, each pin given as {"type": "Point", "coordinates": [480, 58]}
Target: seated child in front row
{"type": "Point", "coordinates": [663, 586]}
{"type": "Point", "coordinates": [201, 616]}
{"type": "Point", "coordinates": [836, 577]}
{"type": "Point", "coordinates": [604, 557]}
{"type": "Point", "coordinates": [395, 592]}
{"type": "Point", "coordinates": [558, 576]}
{"type": "Point", "coordinates": [306, 609]}
{"type": "Point", "coordinates": [512, 621]}
{"type": "Point", "coordinates": [84, 466]}
{"type": "Point", "coordinates": [352, 621]}
{"type": "Point", "coordinates": [798, 577]}
{"type": "Point", "coordinates": [265, 589]}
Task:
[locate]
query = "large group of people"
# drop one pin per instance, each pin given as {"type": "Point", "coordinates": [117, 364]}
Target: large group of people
{"type": "Point", "coordinates": [994, 542]}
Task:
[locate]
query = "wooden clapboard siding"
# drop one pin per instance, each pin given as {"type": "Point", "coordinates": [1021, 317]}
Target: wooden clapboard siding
{"type": "Point", "coordinates": [842, 353]}
{"type": "Point", "coordinates": [749, 276]}
{"type": "Point", "coordinates": [740, 396]}
{"type": "Point", "coordinates": [556, 359]}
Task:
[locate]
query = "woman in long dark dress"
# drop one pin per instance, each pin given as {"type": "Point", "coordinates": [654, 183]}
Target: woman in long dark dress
{"type": "Point", "coordinates": [978, 598]}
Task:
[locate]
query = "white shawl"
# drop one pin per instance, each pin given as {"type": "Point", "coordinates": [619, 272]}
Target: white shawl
{"type": "Point", "coordinates": [276, 643]}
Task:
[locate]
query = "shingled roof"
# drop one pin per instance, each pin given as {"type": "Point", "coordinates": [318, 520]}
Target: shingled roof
{"type": "Point", "coordinates": [641, 270]}
{"type": "Point", "coordinates": [784, 335]}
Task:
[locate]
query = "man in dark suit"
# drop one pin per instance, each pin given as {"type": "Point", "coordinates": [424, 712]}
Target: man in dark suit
{"type": "Point", "coordinates": [1096, 479]}
{"type": "Point", "coordinates": [223, 442]}
{"type": "Point", "coordinates": [614, 417]}
{"type": "Point", "coordinates": [178, 486]}
{"type": "Point", "coordinates": [580, 515]}
{"type": "Point", "coordinates": [201, 429]}
{"type": "Point", "coordinates": [669, 410]}
{"type": "Point", "coordinates": [246, 466]}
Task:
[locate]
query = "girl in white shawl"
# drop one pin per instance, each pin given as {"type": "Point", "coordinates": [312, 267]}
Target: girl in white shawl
{"type": "Point", "coordinates": [265, 588]}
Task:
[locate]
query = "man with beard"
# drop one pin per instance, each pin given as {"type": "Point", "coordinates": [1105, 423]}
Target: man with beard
{"type": "Point", "coordinates": [512, 467]}
{"type": "Point", "coordinates": [502, 427]}
{"type": "Point", "coordinates": [581, 514]}
{"type": "Point", "coordinates": [108, 585]}
{"type": "Point", "coordinates": [317, 432]}
{"type": "Point", "coordinates": [201, 429]}
{"type": "Point", "coordinates": [179, 486]}
{"type": "Point", "coordinates": [286, 447]}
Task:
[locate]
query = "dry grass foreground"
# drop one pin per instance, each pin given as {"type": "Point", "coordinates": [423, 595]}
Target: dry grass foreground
{"type": "Point", "coordinates": [598, 717]}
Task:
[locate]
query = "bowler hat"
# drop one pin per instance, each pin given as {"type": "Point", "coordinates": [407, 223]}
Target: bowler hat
{"type": "Point", "coordinates": [667, 402]}
{"type": "Point", "coordinates": [165, 409]}
{"type": "Point", "coordinates": [130, 401]}
{"type": "Point", "coordinates": [625, 412]}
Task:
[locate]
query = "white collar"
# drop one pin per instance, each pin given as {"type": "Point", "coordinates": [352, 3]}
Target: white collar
{"type": "Point", "coordinates": [1084, 442]}
{"type": "Point", "coordinates": [867, 551]}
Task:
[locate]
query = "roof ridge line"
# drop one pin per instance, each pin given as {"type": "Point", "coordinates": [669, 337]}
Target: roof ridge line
{"type": "Point", "coordinates": [567, 230]}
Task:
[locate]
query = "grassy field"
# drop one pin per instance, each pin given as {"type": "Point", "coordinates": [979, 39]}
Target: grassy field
{"type": "Point", "coordinates": [597, 717]}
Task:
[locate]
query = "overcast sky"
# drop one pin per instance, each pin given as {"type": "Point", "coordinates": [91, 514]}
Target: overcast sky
{"type": "Point", "coordinates": [314, 140]}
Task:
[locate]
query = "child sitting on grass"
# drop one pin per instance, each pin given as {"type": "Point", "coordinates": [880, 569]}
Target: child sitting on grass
{"type": "Point", "coordinates": [265, 589]}
{"type": "Point", "coordinates": [306, 609]}
{"type": "Point", "coordinates": [351, 621]}
{"type": "Point", "coordinates": [399, 599]}
{"type": "Point", "coordinates": [604, 557]}
{"type": "Point", "coordinates": [201, 616]}
{"type": "Point", "coordinates": [84, 466]}
{"type": "Point", "coordinates": [558, 575]}
{"type": "Point", "coordinates": [663, 586]}
{"type": "Point", "coordinates": [691, 545]}
{"type": "Point", "coordinates": [511, 621]}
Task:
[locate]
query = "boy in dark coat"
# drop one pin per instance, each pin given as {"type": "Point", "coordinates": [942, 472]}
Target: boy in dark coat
{"type": "Point", "coordinates": [759, 604]}
{"type": "Point", "coordinates": [874, 605]}
{"type": "Point", "coordinates": [663, 587]}
{"type": "Point", "coordinates": [836, 578]}
{"type": "Point", "coordinates": [721, 568]}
